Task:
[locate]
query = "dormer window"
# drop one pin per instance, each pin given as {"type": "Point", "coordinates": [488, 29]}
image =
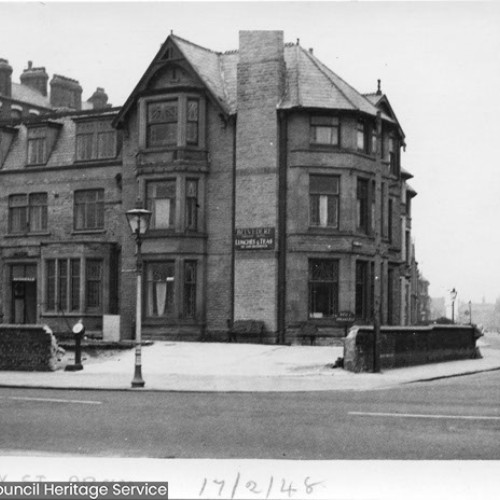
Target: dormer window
{"type": "Point", "coordinates": [42, 137]}
{"type": "Point", "coordinates": [37, 146]}
{"type": "Point", "coordinates": [172, 122]}
{"type": "Point", "coordinates": [95, 140]}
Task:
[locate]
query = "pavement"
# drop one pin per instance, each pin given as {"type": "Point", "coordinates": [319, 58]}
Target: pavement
{"type": "Point", "coordinates": [223, 367]}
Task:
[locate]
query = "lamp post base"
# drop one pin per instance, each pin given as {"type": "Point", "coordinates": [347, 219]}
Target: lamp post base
{"type": "Point", "coordinates": [138, 381]}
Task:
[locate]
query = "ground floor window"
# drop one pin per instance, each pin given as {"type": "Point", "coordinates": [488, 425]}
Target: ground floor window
{"type": "Point", "coordinates": [323, 288]}
{"type": "Point", "coordinates": [171, 289]}
{"type": "Point", "coordinates": [63, 279]}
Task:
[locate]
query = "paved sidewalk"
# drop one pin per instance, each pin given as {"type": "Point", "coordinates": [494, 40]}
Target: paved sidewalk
{"type": "Point", "coordinates": [183, 366]}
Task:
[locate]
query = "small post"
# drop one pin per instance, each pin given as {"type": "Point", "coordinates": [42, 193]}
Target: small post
{"type": "Point", "coordinates": [78, 331]}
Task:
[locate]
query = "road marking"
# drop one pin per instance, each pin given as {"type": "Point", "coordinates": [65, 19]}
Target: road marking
{"type": "Point", "coordinates": [416, 415]}
{"type": "Point", "coordinates": [53, 400]}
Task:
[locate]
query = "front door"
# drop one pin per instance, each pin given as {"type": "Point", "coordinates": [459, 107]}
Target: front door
{"type": "Point", "coordinates": [24, 294]}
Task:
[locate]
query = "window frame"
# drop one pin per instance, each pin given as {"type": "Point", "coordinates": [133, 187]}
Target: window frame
{"type": "Point", "coordinates": [150, 203]}
{"type": "Point", "coordinates": [330, 122]}
{"type": "Point", "coordinates": [72, 301]}
{"type": "Point", "coordinates": [180, 301]}
{"type": "Point", "coordinates": [182, 99]}
{"type": "Point", "coordinates": [28, 208]}
{"type": "Point", "coordinates": [314, 284]}
{"type": "Point", "coordinates": [315, 197]}
{"type": "Point", "coordinates": [99, 205]}
{"type": "Point", "coordinates": [93, 130]}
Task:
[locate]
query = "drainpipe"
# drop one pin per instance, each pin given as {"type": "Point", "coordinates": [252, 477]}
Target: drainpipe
{"type": "Point", "coordinates": [282, 222]}
{"type": "Point", "coordinates": [233, 225]}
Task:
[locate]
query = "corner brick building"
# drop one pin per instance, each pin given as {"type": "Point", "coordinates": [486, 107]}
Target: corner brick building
{"type": "Point", "coordinates": [276, 190]}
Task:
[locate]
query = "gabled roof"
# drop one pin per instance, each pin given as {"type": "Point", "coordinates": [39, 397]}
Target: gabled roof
{"type": "Point", "coordinates": [309, 83]}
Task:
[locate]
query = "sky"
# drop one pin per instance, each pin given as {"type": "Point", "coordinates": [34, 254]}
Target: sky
{"type": "Point", "coordinates": [439, 63]}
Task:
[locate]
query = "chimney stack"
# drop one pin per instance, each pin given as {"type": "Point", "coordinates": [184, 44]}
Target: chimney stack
{"type": "Point", "coordinates": [99, 99]}
{"type": "Point", "coordinates": [5, 78]}
{"type": "Point", "coordinates": [65, 93]}
{"type": "Point", "coordinates": [35, 78]}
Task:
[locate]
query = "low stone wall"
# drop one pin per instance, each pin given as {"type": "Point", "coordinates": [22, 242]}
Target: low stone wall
{"type": "Point", "coordinates": [407, 346]}
{"type": "Point", "coordinates": [28, 348]}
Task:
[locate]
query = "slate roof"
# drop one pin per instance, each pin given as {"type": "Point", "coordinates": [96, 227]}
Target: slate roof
{"type": "Point", "coordinates": [28, 95]}
{"type": "Point", "coordinates": [309, 83]}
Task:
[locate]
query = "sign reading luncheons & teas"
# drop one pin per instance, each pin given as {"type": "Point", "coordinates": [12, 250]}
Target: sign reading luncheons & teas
{"type": "Point", "coordinates": [254, 238]}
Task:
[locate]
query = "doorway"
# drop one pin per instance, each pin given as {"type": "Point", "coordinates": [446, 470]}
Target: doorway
{"type": "Point", "coordinates": [24, 294]}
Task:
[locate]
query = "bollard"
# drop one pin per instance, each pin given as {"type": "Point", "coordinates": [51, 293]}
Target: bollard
{"type": "Point", "coordinates": [78, 331]}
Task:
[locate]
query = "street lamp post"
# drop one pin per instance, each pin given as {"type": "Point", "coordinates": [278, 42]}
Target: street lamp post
{"type": "Point", "coordinates": [470, 312]}
{"type": "Point", "coordinates": [453, 296]}
{"type": "Point", "coordinates": [138, 219]}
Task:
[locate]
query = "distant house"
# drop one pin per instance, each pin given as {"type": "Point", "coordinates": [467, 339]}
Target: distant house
{"type": "Point", "coordinates": [274, 187]}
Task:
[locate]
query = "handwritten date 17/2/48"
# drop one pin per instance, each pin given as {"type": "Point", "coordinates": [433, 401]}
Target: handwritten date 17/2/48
{"type": "Point", "coordinates": [280, 488]}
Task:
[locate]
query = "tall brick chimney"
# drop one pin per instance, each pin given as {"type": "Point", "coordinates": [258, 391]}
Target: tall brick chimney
{"type": "Point", "coordinates": [35, 78]}
{"type": "Point", "coordinates": [260, 86]}
{"type": "Point", "coordinates": [5, 78]}
{"type": "Point", "coordinates": [99, 99]}
{"type": "Point", "coordinates": [65, 93]}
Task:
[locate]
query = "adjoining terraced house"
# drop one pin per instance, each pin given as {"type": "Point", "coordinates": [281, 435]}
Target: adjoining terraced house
{"type": "Point", "coordinates": [274, 187]}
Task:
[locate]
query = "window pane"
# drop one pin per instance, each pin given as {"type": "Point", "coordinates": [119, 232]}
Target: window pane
{"type": "Point", "coordinates": [50, 293]}
{"type": "Point", "coordinates": [192, 204]}
{"type": "Point", "coordinates": [323, 184]}
{"type": "Point", "coordinates": [38, 211]}
{"type": "Point", "coordinates": [63, 285]}
{"type": "Point", "coordinates": [190, 289]}
{"type": "Point", "coordinates": [36, 151]}
{"type": "Point", "coordinates": [160, 281]}
{"type": "Point", "coordinates": [323, 288]}
{"type": "Point", "coordinates": [18, 213]}
{"type": "Point", "coordinates": [84, 147]}
{"type": "Point", "coordinates": [89, 209]}
{"type": "Point", "coordinates": [161, 202]}
{"type": "Point", "coordinates": [93, 273]}
{"type": "Point", "coordinates": [106, 144]}
{"type": "Point", "coordinates": [75, 285]}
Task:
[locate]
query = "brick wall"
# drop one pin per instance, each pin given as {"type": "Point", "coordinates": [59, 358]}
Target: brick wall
{"type": "Point", "coordinates": [407, 346]}
{"type": "Point", "coordinates": [260, 85]}
{"type": "Point", "coordinates": [27, 348]}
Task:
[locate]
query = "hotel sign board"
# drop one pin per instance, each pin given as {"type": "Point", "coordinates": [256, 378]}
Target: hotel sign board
{"type": "Point", "coordinates": [254, 238]}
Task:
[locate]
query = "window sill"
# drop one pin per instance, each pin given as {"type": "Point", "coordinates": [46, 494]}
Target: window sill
{"type": "Point", "coordinates": [88, 231]}
{"type": "Point", "coordinates": [25, 235]}
{"type": "Point", "coordinates": [172, 233]}
{"type": "Point", "coordinates": [99, 161]}
{"type": "Point", "coordinates": [72, 314]}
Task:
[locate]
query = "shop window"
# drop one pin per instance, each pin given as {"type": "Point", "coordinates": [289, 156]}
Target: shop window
{"type": "Point", "coordinates": [325, 130]}
{"type": "Point", "coordinates": [161, 196]}
{"type": "Point", "coordinates": [27, 213]}
{"type": "Point", "coordinates": [62, 285]}
{"type": "Point", "coordinates": [89, 209]}
{"type": "Point", "coordinates": [323, 288]}
{"type": "Point", "coordinates": [324, 200]}
{"type": "Point", "coordinates": [364, 290]}
{"type": "Point", "coordinates": [95, 140]}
